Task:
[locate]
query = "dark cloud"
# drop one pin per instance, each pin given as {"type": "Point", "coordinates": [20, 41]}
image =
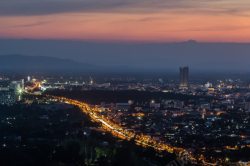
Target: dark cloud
{"type": "Point", "coordinates": [38, 23]}
{"type": "Point", "coordinates": [44, 7]}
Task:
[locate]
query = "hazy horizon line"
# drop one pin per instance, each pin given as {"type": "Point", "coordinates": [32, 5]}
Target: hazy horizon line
{"type": "Point", "coordinates": [129, 41]}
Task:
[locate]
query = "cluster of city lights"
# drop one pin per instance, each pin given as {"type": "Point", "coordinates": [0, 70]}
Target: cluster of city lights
{"type": "Point", "coordinates": [126, 134]}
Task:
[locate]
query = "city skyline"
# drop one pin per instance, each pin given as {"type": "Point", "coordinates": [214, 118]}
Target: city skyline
{"type": "Point", "coordinates": [84, 82]}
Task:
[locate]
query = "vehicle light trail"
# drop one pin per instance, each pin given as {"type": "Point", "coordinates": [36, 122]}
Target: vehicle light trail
{"type": "Point", "coordinates": [125, 134]}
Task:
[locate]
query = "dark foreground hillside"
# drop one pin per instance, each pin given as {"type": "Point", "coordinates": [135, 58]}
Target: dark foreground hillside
{"type": "Point", "coordinates": [60, 135]}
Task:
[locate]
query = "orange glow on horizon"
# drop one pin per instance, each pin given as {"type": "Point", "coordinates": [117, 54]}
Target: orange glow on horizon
{"type": "Point", "coordinates": [165, 26]}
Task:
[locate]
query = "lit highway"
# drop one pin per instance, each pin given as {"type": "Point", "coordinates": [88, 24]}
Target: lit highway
{"type": "Point", "coordinates": [125, 134]}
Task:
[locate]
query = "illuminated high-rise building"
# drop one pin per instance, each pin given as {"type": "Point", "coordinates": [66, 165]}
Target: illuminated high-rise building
{"type": "Point", "coordinates": [91, 81]}
{"type": "Point", "coordinates": [28, 78]}
{"type": "Point", "coordinates": [184, 74]}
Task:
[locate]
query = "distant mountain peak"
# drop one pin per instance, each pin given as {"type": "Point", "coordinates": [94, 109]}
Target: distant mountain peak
{"type": "Point", "coordinates": [191, 41]}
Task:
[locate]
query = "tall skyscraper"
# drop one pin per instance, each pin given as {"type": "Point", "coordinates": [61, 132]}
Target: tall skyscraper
{"type": "Point", "coordinates": [184, 74]}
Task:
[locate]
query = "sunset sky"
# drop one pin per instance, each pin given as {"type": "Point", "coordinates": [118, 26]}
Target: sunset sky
{"type": "Point", "coordinates": [127, 20]}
